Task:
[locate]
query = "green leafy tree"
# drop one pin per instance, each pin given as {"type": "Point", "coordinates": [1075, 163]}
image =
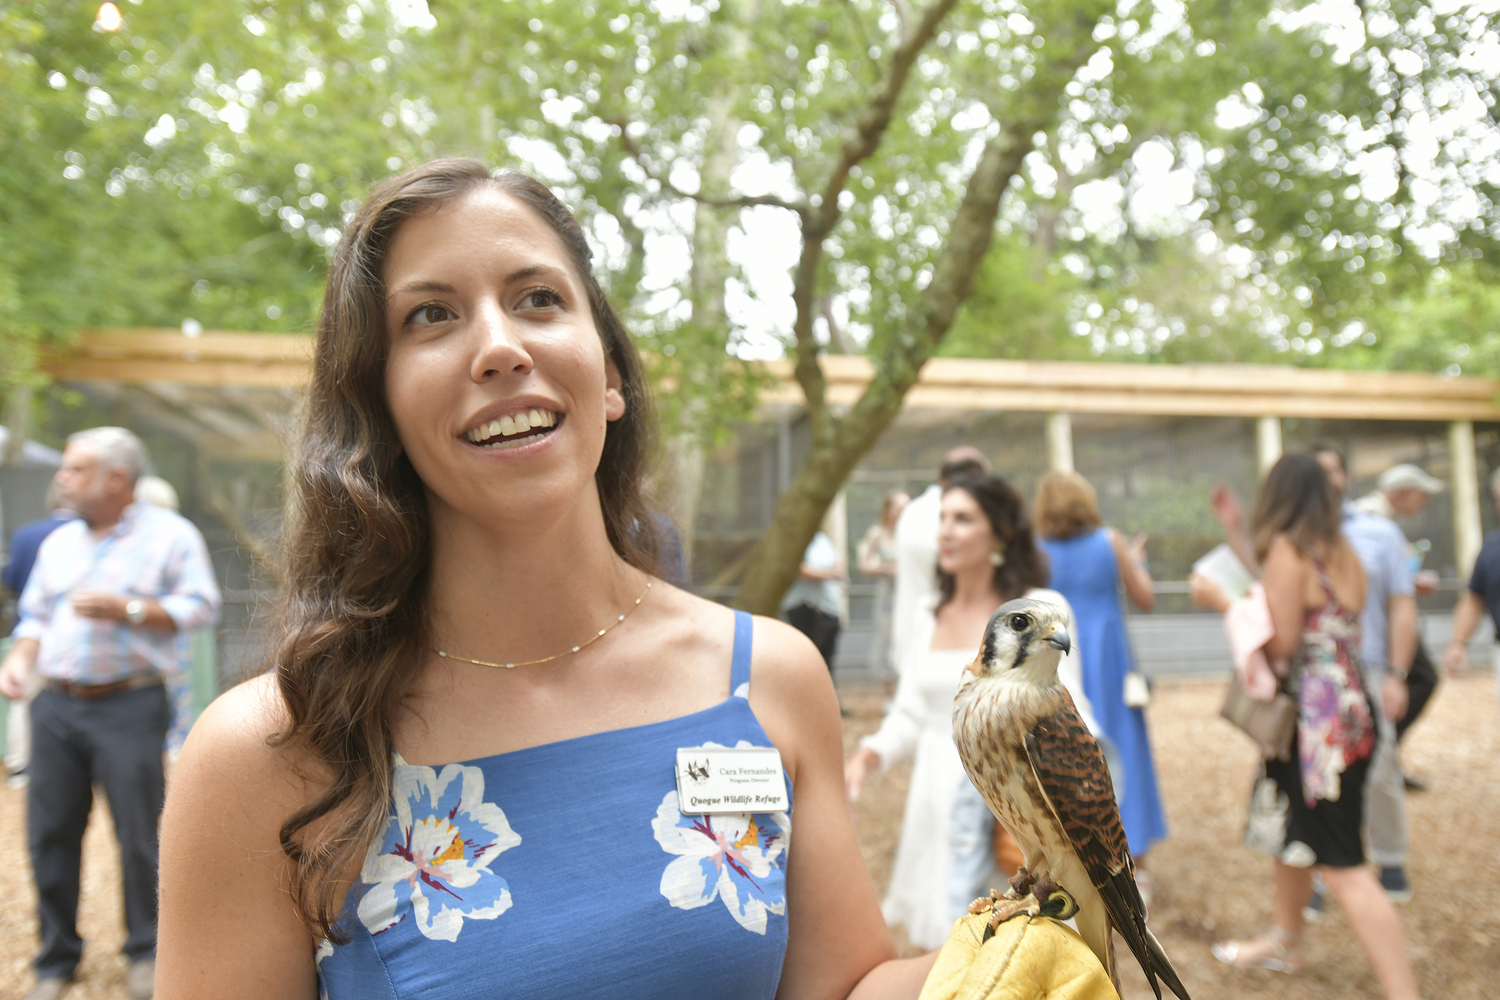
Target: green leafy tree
{"type": "Point", "coordinates": [943, 164]}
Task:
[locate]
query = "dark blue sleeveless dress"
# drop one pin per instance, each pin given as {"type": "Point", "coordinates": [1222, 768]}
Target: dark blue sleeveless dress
{"type": "Point", "coordinates": [567, 870]}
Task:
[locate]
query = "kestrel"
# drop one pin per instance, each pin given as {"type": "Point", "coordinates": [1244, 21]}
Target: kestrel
{"type": "Point", "coordinates": [1045, 779]}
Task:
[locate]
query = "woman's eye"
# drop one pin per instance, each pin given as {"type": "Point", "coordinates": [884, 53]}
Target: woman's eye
{"type": "Point", "coordinates": [540, 298]}
{"type": "Point", "coordinates": [429, 314]}
{"type": "Point", "coordinates": [1020, 623]}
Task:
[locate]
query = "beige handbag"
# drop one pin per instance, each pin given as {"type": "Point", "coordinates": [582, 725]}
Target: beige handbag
{"type": "Point", "coordinates": [1271, 724]}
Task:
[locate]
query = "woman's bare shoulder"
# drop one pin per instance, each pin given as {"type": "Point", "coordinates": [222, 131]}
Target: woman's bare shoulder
{"type": "Point", "coordinates": [791, 693]}
{"type": "Point", "coordinates": [1284, 551]}
{"type": "Point", "coordinates": [233, 750]}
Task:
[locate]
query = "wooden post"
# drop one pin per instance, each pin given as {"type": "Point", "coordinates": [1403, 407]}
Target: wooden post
{"type": "Point", "coordinates": [1267, 443]}
{"type": "Point", "coordinates": [1467, 533]}
{"type": "Point", "coordinates": [1059, 442]}
{"type": "Point", "coordinates": [836, 526]}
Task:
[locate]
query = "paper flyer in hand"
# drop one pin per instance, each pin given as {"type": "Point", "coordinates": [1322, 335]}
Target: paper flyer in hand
{"type": "Point", "coordinates": [1224, 568]}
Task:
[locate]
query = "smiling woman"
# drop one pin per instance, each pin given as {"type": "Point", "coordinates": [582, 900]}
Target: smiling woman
{"type": "Point", "coordinates": [468, 482]}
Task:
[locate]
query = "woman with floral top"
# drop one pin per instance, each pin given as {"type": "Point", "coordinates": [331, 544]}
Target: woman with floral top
{"type": "Point", "coordinates": [1315, 587]}
{"type": "Point", "coordinates": [470, 772]}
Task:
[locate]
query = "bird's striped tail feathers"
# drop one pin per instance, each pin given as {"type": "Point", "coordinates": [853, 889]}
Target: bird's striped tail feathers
{"type": "Point", "coordinates": [1162, 966]}
{"type": "Point", "coordinates": [1130, 922]}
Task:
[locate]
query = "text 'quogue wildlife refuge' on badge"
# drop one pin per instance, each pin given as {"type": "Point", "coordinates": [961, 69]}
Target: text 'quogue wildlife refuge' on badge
{"type": "Point", "coordinates": [730, 780]}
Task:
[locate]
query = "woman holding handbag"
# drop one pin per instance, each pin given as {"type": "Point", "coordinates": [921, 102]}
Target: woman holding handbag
{"type": "Point", "coordinates": [1314, 588]}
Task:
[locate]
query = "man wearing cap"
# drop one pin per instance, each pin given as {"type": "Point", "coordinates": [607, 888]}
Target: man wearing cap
{"type": "Point", "coordinates": [103, 616]}
{"type": "Point", "coordinates": [1401, 491]}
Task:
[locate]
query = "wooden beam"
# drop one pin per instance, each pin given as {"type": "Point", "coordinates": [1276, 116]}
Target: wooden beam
{"type": "Point", "coordinates": [1046, 399]}
{"type": "Point", "coordinates": [221, 359]}
{"type": "Point", "coordinates": [211, 345]}
{"type": "Point", "coordinates": [214, 359]}
{"type": "Point", "coordinates": [216, 374]}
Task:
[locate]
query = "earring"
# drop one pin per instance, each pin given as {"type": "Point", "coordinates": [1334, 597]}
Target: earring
{"type": "Point", "coordinates": [997, 557]}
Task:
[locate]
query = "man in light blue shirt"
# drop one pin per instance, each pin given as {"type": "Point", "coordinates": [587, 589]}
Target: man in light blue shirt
{"type": "Point", "coordinates": [1388, 643]}
{"type": "Point", "coordinates": [103, 617]}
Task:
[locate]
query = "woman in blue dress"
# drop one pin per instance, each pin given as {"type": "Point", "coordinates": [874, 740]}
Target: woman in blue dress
{"type": "Point", "coordinates": [463, 776]}
{"type": "Point", "coordinates": [1089, 562]}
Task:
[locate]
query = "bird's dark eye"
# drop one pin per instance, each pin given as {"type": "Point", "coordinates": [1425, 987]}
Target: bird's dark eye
{"type": "Point", "coordinates": [1020, 623]}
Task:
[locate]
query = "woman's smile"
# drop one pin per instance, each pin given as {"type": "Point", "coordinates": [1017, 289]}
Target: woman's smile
{"type": "Point", "coordinates": [513, 426]}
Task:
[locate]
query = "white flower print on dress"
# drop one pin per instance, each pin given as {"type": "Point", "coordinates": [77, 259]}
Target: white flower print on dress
{"type": "Point", "coordinates": [434, 860]}
{"type": "Point", "coordinates": [736, 857]}
{"type": "Point", "coordinates": [325, 950]}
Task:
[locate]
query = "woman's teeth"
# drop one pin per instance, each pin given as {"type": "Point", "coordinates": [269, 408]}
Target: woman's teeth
{"type": "Point", "coordinates": [512, 424]}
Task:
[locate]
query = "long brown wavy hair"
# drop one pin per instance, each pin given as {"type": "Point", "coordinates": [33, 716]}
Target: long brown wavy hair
{"type": "Point", "coordinates": [356, 559]}
{"type": "Point", "coordinates": [1297, 498]}
{"type": "Point", "coordinates": [1025, 564]}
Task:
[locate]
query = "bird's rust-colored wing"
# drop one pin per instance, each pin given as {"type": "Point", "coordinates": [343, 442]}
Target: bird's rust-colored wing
{"type": "Point", "coordinates": [1071, 770]}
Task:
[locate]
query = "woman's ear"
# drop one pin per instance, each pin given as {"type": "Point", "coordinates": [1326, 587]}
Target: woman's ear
{"type": "Point", "coordinates": [614, 391]}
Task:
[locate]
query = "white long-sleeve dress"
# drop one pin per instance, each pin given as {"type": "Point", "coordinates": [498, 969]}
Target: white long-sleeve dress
{"type": "Point", "coordinates": [919, 726]}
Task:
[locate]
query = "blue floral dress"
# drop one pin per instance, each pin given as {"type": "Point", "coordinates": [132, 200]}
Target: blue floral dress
{"type": "Point", "coordinates": [566, 870]}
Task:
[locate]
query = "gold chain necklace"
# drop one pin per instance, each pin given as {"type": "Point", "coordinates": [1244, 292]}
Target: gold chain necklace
{"type": "Point", "coordinates": [548, 659]}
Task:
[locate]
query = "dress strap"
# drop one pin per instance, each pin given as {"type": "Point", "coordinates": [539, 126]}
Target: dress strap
{"type": "Point", "coordinates": [739, 665]}
{"type": "Point", "coordinates": [1325, 579]}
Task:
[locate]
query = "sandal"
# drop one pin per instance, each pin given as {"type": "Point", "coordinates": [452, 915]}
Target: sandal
{"type": "Point", "coordinates": [1285, 955]}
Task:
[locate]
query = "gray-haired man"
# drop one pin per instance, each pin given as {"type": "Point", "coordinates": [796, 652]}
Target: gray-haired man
{"type": "Point", "coordinates": [102, 618]}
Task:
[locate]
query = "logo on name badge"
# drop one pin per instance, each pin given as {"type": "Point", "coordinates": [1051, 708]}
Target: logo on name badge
{"type": "Point", "coordinates": [712, 780]}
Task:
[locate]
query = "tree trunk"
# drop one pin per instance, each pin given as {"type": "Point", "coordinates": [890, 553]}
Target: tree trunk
{"type": "Point", "coordinates": [709, 273]}
{"type": "Point", "coordinates": [839, 442]}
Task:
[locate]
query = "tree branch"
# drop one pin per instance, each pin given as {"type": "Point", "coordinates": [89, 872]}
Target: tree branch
{"type": "Point", "coordinates": [837, 335]}
{"type": "Point", "coordinates": [869, 130]}
{"type": "Point", "coordinates": [736, 201]}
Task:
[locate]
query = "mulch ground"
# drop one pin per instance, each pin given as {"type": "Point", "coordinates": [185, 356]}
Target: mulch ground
{"type": "Point", "coordinates": [1208, 886]}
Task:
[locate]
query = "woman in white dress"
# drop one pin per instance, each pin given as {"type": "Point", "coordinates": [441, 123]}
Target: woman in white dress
{"type": "Point", "coordinates": [987, 555]}
{"type": "Point", "coordinates": [877, 558]}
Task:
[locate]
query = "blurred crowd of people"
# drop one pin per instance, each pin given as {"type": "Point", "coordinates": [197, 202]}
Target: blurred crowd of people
{"type": "Point", "coordinates": [1339, 582]}
{"type": "Point", "coordinates": [112, 584]}
{"type": "Point", "coordinates": [956, 553]}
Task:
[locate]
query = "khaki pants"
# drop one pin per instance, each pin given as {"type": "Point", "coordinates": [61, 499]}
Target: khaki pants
{"type": "Point", "coordinates": [1385, 791]}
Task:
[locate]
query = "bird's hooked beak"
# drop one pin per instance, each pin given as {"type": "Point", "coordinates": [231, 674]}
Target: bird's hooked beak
{"type": "Point", "coordinates": [1059, 640]}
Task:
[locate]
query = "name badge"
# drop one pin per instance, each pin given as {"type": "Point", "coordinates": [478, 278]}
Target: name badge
{"type": "Point", "coordinates": [730, 780]}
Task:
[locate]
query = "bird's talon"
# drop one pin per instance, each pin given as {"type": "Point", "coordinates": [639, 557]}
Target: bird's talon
{"type": "Point", "coordinates": [1021, 882]}
{"type": "Point", "coordinates": [1002, 908]}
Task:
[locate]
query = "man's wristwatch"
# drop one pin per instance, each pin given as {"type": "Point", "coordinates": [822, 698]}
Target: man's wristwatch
{"type": "Point", "coordinates": [135, 612]}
